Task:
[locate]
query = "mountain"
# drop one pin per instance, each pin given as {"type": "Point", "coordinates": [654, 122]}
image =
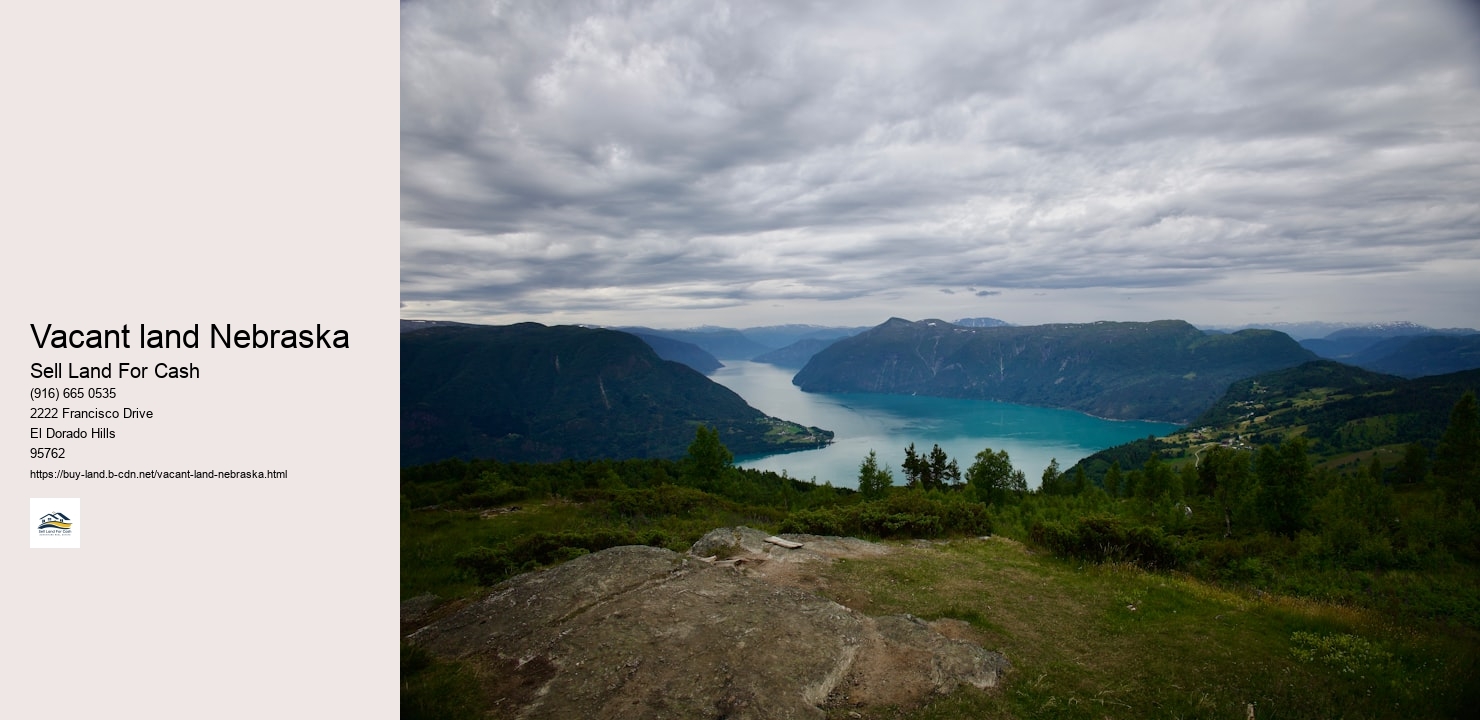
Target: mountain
{"type": "Point", "coordinates": [1347, 342]}
{"type": "Point", "coordinates": [982, 322]}
{"type": "Point", "coordinates": [1296, 330]}
{"type": "Point", "coordinates": [780, 336]}
{"type": "Point", "coordinates": [1165, 370]}
{"type": "Point", "coordinates": [1379, 330]}
{"type": "Point", "coordinates": [1342, 332]}
{"type": "Point", "coordinates": [1339, 408]}
{"type": "Point", "coordinates": [1340, 348]}
{"type": "Point", "coordinates": [1401, 348]}
{"type": "Point", "coordinates": [1421, 355]}
{"type": "Point", "coordinates": [1342, 410]}
{"type": "Point", "coordinates": [414, 325]}
{"type": "Point", "coordinates": [682, 352]}
{"type": "Point", "coordinates": [532, 393]}
{"type": "Point", "coordinates": [795, 355]}
{"type": "Point", "coordinates": [722, 343]}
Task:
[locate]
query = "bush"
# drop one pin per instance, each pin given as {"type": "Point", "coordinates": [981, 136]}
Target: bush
{"type": "Point", "coordinates": [494, 497]}
{"type": "Point", "coordinates": [1102, 538]}
{"type": "Point", "coordinates": [901, 515]}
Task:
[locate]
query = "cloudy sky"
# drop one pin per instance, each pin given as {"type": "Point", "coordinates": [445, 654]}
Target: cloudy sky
{"type": "Point", "coordinates": [675, 164]}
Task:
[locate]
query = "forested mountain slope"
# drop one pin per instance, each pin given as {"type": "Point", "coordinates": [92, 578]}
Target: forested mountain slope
{"type": "Point", "coordinates": [1165, 370]}
{"type": "Point", "coordinates": [529, 392]}
{"type": "Point", "coordinates": [1339, 410]}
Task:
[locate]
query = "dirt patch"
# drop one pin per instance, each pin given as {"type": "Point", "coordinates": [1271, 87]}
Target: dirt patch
{"type": "Point", "coordinates": [646, 632]}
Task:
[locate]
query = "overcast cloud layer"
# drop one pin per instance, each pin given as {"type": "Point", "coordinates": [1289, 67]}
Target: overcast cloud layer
{"type": "Point", "coordinates": [751, 163]}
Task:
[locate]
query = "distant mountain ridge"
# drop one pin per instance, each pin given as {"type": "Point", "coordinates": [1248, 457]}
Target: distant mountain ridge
{"type": "Point", "coordinates": [682, 352]}
{"type": "Point", "coordinates": [781, 336]}
{"type": "Point", "coordinates": [531, 393]}
{"type": "Point", "coordinates": [788, 346]}
{"type": "Point", "coordinates": [1338, 331]}
{"type": "Point", "coordinates": [1166, 370]}
{"type": "Point", "coordinates": [722, 343]}
{"type": "Point", "coordinates": [1421, 355]}
{"type": "Point", "coordinates": [795, 355]}
{"type": "Point", "coordinates": [1401, 348]}
{"type": "Point", "coordinates": [982, 322]}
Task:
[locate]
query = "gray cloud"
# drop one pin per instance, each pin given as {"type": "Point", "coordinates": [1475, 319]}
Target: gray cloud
{"type": "Point", "coordinates": [646, 162]}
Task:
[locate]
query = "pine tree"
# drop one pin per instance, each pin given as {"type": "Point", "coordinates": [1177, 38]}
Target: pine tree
{"type": "Point", "coordinates": [873, 481]}
{"type": "Point", "coordinates": [1156, 478]}
{"type": "Point", "coordinates": [1414, 468]}
{"type": "Point", "coordinates": [935, 476]}
{"type": "Point", "coordinates": [1113, 480]}
{"type": "Point", "coordinates": [1457, 458]}
{"type": "Point", "coordinates": [1051, 481]}
{"type": "Point", "coordinates": [1284, 486]}
{"type": "Point", "coordinates": [708, 461]}
{"type": "Point", "coordinates": [1225, 473]}
{"type": "Point", "coordinates": [952, 477]}
{"type": "Point", "coordinates": [913, 467]}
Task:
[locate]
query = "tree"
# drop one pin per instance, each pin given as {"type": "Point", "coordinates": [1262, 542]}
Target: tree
{"type": "Point", "coordinates": [1051, 482]}
{"type": "Point", "coordinates": [1156, 479]}
{"type": "Point", "coordinates": [1457, 458]}
{"type": "Point", "coordinates": [952, 477]}
{"type": "Point", "coordinates": [1224, 473]}
{"type": "Point", "coordinates": [873, 481]}
{"type": "Point", "coordinates": [938, 469]}
{"type": "Point", "coordinates": [993, 479]}
{"type": "Point", "coordinates": [1356, 508]}
{"type": "Point", "coordinates": [1414, 467]}
{"type": "Point", "coordinates": [1081, 483]}
{"type": "Point", "coordinates": [1113, 480]}
{"type": "Point", "coordinates": [1184, 484]}
{"type": "Point", "coordinates": [914, 467]}
{"type": "Point", "coordinates": [708, 460]}
{"type": "Point", "coordinates": [1284, 498]}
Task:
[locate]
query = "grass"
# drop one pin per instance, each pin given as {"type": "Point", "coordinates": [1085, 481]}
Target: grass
{"type": "Point", "coordinates": [430, 539]}
{"type": "Point", "coordinates": [1086, 640]}
{"type": "Point", "coordinates": [433, 689]}
{"type": "Point", "coordinates": [1115, 641]}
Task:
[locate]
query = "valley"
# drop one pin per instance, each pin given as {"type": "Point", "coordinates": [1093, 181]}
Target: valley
{"type": "Point", "coordinates": [1311, 525]}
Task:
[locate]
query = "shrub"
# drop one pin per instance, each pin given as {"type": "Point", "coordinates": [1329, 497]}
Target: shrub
{"type": "Point", "coordinates": [494, 497]}
{"type": "Point", "coordinates": [1102, 538]}
{"type": "Point", "coordinates": [901, 515]}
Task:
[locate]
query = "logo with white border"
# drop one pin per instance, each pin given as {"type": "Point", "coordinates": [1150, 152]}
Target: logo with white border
{"type": "Point", "coordinates": [54, 522]}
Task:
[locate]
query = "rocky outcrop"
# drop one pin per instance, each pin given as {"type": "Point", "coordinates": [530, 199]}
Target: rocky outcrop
{"type": "Point", "coordinates": [725, 631]}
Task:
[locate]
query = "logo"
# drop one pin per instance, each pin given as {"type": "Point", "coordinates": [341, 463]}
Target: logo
{"type": "Point", "coordinates": [56, 521]}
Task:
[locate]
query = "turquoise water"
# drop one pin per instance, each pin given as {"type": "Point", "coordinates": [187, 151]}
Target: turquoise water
{"type": "Point", "coordinates": [887, 424]}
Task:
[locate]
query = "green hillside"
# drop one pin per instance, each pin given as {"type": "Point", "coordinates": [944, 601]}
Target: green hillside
{"type": "Point", "coordinates": [1345, 414]}
{"type": "Point", "coordinates": [533, 393]}
{"type": "Point", "coordinates": [1166, 370]}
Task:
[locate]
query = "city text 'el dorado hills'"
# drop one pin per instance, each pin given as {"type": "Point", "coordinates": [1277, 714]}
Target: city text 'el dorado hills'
{"type": "Point", "coordinates": [220, 336]}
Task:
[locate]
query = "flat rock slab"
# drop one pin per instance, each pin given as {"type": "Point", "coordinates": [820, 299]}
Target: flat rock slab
{"type": "Point", "coordinates": [646, 632]}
